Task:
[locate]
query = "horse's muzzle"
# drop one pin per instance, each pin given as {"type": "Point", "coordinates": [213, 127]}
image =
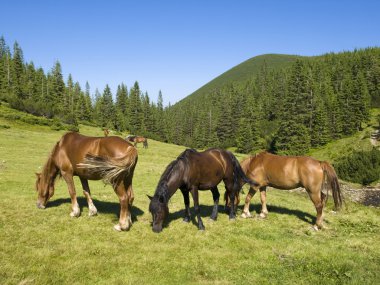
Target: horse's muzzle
{"type": "Point", "coordinates": [157, 228]}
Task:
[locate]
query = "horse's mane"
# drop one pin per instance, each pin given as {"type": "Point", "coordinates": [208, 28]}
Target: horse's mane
{"type": "Point", "coordinates": [161, 189]}
{"type": "Point", "coordinates": [47, 168]}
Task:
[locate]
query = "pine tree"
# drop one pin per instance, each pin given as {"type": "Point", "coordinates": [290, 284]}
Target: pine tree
{"type": "Point", "coordinates": [17, 78]}
{"type": "Point", "coordinates": [121, 107]}
{"type": "Point", "coordinates": [56, 90]}
{"type": "Point", "coordinates": [224, 125]}
{"type": "Point", "coordinates": [135, 109]}
{"type": "Point", "coordinates": [244, 137]}
{"type": "Point", "coordinates": [108, 118]}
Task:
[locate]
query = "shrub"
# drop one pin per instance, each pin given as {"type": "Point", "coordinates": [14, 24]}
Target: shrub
{"type": "Point", "coordinates": [72, 128]}
{"type": "Point", "coordinates": [360, 167]}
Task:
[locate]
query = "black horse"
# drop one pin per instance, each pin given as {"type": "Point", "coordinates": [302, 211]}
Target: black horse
{"type": "Point", "coordinates": [193, 171]}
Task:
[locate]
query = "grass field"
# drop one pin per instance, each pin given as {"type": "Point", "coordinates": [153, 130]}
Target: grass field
{"type": "Point", "coordinates": [49, 247]}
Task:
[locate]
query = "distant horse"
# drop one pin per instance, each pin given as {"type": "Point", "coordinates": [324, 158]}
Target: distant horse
{"type": "Point", "coordinates": [137, 139]}
{"type": "Point", "coordinates": [289, 172]}
{"type": "Point", "coordinates": [106, 132]}
{"type": "Point", "coordinates": [193, 171]}
{"type": "Point", "coordinates": [109, 158]}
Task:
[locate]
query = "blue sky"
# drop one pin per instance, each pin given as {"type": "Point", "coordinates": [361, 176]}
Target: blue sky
{"type": "Point", "coordinates": [178, 46]}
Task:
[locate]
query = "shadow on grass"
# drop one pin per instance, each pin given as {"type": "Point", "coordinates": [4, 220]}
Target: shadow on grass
{"type": "Point", "coordinates": [103, 207]}
{"type": "Point", "coordinates": [304, 216]}
{"type": "Point", "coordinates": [206, 211]}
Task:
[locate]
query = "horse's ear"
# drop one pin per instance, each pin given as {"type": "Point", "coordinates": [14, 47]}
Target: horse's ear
{"type": "Point", "coordinates": [38, 174]}
{"type": "Point", "coordinates": [150, 197]}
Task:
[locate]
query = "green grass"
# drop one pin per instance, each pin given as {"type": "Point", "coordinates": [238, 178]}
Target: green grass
{"type": "Point", "coordinates": [49, 247]}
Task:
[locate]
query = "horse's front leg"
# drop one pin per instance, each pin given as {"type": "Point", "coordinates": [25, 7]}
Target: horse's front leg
{"type": "Point", "coordinates": [251, 193]}
{"type": "Point", "coordinates": [92, 211]}
{"type": "Point", "coordinates": [68, 177]}
{"type": "Point", "coordinates": [215, 196]}
{"type": "Point", "coordinates": [194, 193]}
{"type": "Point", "coordinates": [186, 201]}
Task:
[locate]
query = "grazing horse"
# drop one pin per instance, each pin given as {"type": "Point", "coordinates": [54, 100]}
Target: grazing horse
{"type": "Point", "coordinates": [289, 172]}
{"type": "Point", "coordinates": [193, 171]}
{"type": "Point", "coordinates": [91, 158]}
{"type": "Point", "coordinates": [137, 139]}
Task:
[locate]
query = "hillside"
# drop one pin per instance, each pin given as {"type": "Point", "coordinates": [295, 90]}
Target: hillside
{"type": "Point", "coordinates": [49, 247]}
{"type": "Point", "coordinates": [244, 71]}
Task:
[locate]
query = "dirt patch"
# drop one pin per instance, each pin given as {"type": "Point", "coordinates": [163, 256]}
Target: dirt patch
{"type": "Point", "coordinates": [367, 196]}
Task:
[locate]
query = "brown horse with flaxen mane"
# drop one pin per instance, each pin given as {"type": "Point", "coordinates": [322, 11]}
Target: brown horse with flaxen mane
{"type": "Point", "coordinates": [289, 172]}
{"type": "Point", "coordinates": [193, 171]}
{"type": "Point", "coordinates": [91, 158]}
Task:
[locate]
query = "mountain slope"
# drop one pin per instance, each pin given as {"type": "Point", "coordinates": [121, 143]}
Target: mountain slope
{"type": "Point", "coordinates": [245, 70]}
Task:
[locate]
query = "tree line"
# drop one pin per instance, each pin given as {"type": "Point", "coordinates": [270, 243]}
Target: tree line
{"type": "Point", "coordinates": [307, 104]}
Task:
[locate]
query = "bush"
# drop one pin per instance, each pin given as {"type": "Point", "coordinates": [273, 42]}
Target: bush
{"type": "Point", "coordinates": [57, 125]}
{"type": "Point", "coordinates": [72, 128]}
{"type": "Point", "coordinates": [360, 167]}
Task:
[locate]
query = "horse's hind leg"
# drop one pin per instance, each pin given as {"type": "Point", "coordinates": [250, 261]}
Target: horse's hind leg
{"type": "Point", "coordinates": [251, 193]}
{"type": "Point", "coordinates": [263, 198]}
{"type": "Point", "coordinates": [318, 201]}
{"type": "Point", "coordinates": [215, 196]}
{"type": "Point", "coordinates": [92, 211]}
{"type": "Point", "coordinates": [186, 200]}
{"type": "Point", "coordinates": [194, 193]}
{"type": "Point", "coordinates": [125, 219]}
{"type": "Point", "coordinates": [70, 184]}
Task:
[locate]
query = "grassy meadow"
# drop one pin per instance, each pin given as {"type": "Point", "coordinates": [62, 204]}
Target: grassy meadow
{"type": "Point", "coordinates": [49, 247]}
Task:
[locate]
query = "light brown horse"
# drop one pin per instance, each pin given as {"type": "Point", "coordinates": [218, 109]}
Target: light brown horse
{"type": "Point", "coordinates": [289, 172]}
{"type": "Point", "coordinates": [91, 158]}
{"type": "Point", "coordinates": [137, 139]}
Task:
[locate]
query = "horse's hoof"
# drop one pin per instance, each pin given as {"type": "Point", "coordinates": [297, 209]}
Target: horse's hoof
{"type": "Point", "coordinates": [117, 228]}
{"type": "Point", "coordinates": [186, 220]}
{"type": "Point", "coordinates": [245, 215]}
{"type": "Point", "coordinates": [213, 218]}
{"type": "Point", "coordinates": [262, 216]}
{"type": "Point", "coordinates": [75, 214]}
{"type": "Point", "coordinates": [120, 228]}
{"type": "Point", "coordinates": [40, 206]}
{"type": "Point", "coordinates": [202, 228]}
{"type": "Point", "coordinates": [92, 211]}
{"type": "Point", "coordinates": [315, 228]}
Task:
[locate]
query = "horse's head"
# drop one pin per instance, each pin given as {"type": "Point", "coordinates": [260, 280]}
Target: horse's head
{"type": "Point", "coordinates": [44, 190]}
{"type": "Point", "coordinates": [159, 209]}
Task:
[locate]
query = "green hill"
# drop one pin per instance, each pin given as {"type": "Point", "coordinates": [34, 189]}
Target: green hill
{"type": "Point", "coordinates": [49, 247]}
{"type": "Point", "coordinates": [246, 70]}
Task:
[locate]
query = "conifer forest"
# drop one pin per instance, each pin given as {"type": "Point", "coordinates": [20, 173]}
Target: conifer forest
{"type": "Point", "coordinates": [286, 110]}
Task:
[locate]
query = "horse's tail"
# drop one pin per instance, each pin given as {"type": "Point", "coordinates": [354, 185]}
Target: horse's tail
{"type": "Point", "coordinates": [239, 173]}
{"type": "Point", "coordinates": [332, 178]}
{"type": "Point", "coordinates": [112, 170]}
{"type": "Point", "coordinates": [145, 143]}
